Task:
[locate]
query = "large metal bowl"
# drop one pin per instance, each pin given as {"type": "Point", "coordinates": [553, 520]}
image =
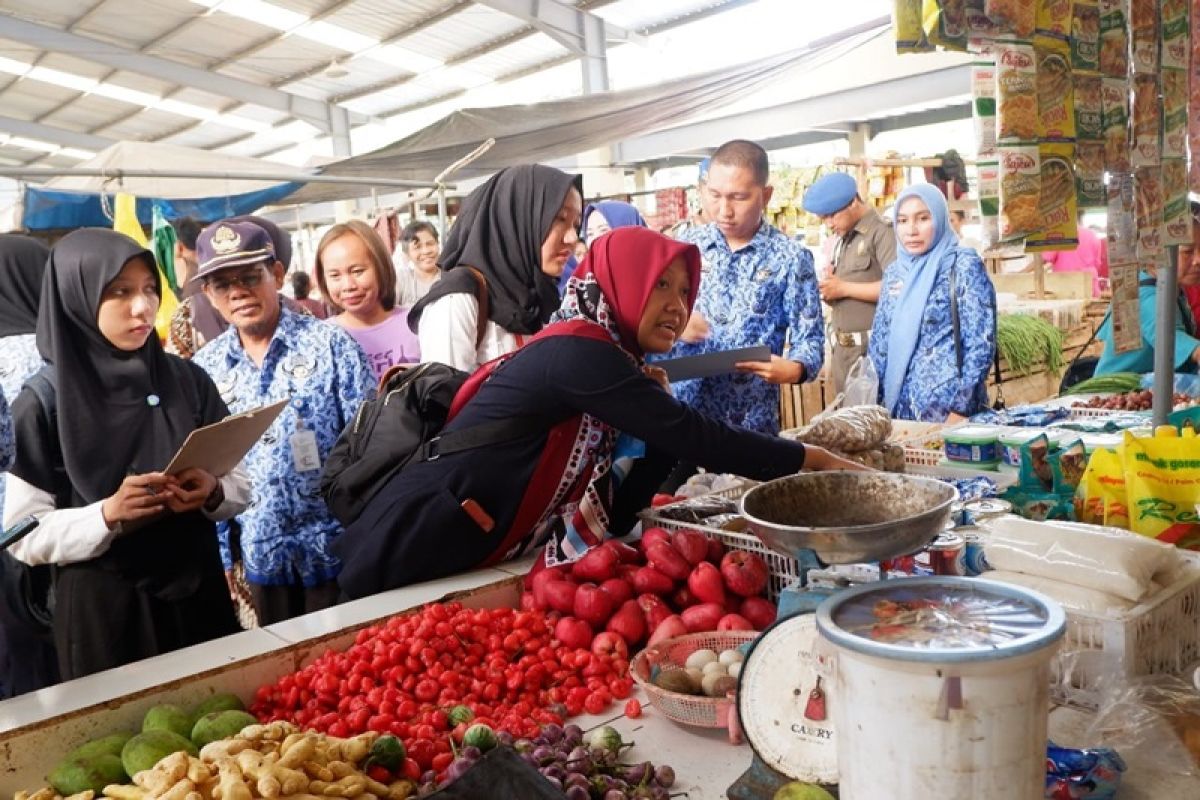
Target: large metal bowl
{"type": "Point", "coordinates": [848, 517]}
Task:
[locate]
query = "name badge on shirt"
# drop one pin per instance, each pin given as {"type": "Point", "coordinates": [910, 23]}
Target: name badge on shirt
{"type": "Point", "coordinates": [305, 455]}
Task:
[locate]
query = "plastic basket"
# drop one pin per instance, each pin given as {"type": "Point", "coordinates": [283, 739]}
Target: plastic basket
{"type": "Point", "coordinates": [782, 570]}
{"type": "Point", "coordinates": [1158, 636]}
{"type": "Point", "coordinates": [687, 709]}
{"type": "Point", "coordinates": [920, 457]}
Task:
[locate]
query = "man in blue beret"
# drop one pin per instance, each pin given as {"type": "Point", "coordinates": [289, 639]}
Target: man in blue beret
{"type": "Point", "coordinates": [864, 246]}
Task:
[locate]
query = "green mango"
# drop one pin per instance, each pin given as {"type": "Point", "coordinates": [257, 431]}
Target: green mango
{"type": "Point", "coordinates": [168, 717]}
{"type": "Point", "coordinates": [149, 747]}
{"type": "Point", "coordinates": [75, 776]}
{"type": "Point", "coordinates": [218, 702]}
{"type": "Point", "coordinates": [220, 725]}
{"type": "Point", "coordinates": [797, 790]}
{"type": "Point", "coordinates": [110, 745]}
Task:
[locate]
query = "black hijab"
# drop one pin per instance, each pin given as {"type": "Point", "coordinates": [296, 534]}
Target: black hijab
{"type": "Point", "coordinates": [118, 412]}
{"type": "Point", "coordinates": [500, 231]}
{"type": "Point", "coordinates": [22, 263]}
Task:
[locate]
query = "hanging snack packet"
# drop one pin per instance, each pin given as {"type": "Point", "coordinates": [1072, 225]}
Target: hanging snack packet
{"type": "Point", "coordinates": [1056, 205]}
{"type": "Point", "coordinates": [1089, 107]}
{"type": "Point", "coordinates": [1162, 477]}
{"type": "Point", "coordinates": [988, 174]}
{"type": "Point", "coordinates": [945, 23]}
{"type": "Point", "coordinates": [1177, 217]}
{"type": "Point", "coordinates": [1020, 191]}
{"type": "Point", "coordinates": [1148, 184]}
{"type": "Point", "coordinates": [1016, 92]}
{"type": "Point", "coordinates": [983, 90]}
{"type": "Point", "coordinates": [1069, 463]}
{"type": "Point", "coordinates": [1175, 26]}
{"type": "Point", "coordinates": [1054, 17]}
{"type": "Point", "coordinates": [1055, 86]}
{"type": "Point", "coordinates": [981, 29]}
{"type": "Point", "coordinates": [1089, 175]}
{"type": "Point", "coordinates": [1122, 224]}
{"type": "Point", "coordinates": [1175, 113]}
{"type": "Point", "coordinates": [1114, 99]}
{"type": "Point", "coordinates": [1036, 472]}
{"type": "Point", "coordinates": [906, 19]}
{"type": "Point", "coordinates": [1085, 35]}
{"type": "Point", "coordinates": [1194, 93]}
{"type": "Point", "coordinates": [1144, 36]}
{"type": "Point", "coordinates": [1114, 38]}
{"type": "Point", "coordinates": [1147, 120]}
{"type": "Point", "coordinates": [1018, 16]}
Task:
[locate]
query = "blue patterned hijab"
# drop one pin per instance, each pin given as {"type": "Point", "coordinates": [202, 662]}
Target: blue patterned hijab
{"type": "Point", "coordinates": [918, 273]}
{"type": "Point", "coordinates": [616, 213]}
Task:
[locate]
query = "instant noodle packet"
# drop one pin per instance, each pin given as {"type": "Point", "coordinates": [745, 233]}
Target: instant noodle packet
{"type": "Point", "coordinates": [1085, 35]}
{"type": "Point", "coordinates": [1144, 36]}
{"type": "Point", "coordinates": [1018, 16]}
{"type": "Point", "coordinates": [1016, 92]}
{"type": "Point", "coordinates": [1175, 113]}
{"type": "Point", "coordinates": [1114, 98]}
{"type": "Point", "coordinates": [1088, 106]}
{"type": "Point", "coordinates": [1147, 120]}
{"type": "Point", "coordinates": [1177, 217]}
{"type": "Point", "coordinates": [1148, 185]}
{"type": "Point", "coordinates": [1114, 38]}
{"type": "Point", "coordinates": [1020, 191]}
{"type": "Point", "coordinates": [1055, 88]}
{"type": "Point", "coordinates": [1057, 203]}
{"type": "Point", "coordinates": [1175, 27]}
{"type": "Point", "coordinates": [1089, 175]}
{"type": "Point", "coordinates": [1054, 17]}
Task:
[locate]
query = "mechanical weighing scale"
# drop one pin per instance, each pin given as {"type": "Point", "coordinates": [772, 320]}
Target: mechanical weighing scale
{"type": "Point", "coordinates": [818, 518]}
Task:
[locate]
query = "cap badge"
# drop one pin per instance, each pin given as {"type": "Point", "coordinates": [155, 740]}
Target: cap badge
{"type": "Point", "coordinates": [226, 240]}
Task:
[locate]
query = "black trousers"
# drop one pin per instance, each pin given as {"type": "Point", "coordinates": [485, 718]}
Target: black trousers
{"type": "Point", "coordinates": [278, 603]}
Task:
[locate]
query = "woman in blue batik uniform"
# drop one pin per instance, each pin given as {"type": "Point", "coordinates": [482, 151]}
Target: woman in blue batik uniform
{"type": "Point", "coordinates": [926, 371]}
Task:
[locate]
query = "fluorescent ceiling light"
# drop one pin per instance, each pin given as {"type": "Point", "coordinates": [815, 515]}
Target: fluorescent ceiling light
{"type": "Point", "coordinates": [58, 78]}
{"type": "Point", "coordinates": [13, 67]}
{"type": "Point", "coordinates": [75, 152]}
{"type": "Point", "coordinates": [281, 19]}
{"type": "Point", "coordinates": [32, 144]}
{"type": "Point", "coordinates": [125, 95]}
{"type": "Point", "coordinates": [336, 36]}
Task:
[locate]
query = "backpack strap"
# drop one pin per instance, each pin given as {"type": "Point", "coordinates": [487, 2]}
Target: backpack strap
{"type": "Point", "coordinates": [45, 389]}
{"type": "Point", "coordinates": [481, 297]}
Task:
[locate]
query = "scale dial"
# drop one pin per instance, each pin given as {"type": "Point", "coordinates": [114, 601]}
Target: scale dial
{"type": "Point", "coordinates": [783, 702]}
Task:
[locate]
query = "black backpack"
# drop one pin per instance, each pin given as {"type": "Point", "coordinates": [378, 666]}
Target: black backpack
{"type": "Point", "coordinates": [401, 426]}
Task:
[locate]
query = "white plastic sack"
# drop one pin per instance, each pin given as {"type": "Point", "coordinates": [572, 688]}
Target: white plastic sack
{"type": "Point", "coordinates": [1105, 559]}
{"type": "Point", "coordinates": [1068, 595]}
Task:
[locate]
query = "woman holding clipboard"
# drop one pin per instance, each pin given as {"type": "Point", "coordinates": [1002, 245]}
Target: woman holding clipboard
{"type": "Point", "coordinates": [137, 566]}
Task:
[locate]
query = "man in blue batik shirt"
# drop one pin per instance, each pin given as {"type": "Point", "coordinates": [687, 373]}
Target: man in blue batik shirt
{"type": "Point", "coordinates": [269, 354]}
{"type": "Point", "coordinates": [758, 287]}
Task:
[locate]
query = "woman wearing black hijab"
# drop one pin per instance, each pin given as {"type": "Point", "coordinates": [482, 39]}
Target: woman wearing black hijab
{"type": "Point", "coordinates": [517, 230]}
{"type": "Point", "coordinates": [27, 660]}
{"type": "Point", "coordinates": [138, 571]}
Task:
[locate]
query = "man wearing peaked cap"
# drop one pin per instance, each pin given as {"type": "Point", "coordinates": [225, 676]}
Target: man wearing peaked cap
{"type": "Point", "coordinates": [271, 353]}
{"type": "Point", "coordinates": [864, 246]}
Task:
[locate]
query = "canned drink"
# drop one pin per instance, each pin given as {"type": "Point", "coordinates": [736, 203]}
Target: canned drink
{"type": "Point", "coordinates": [947, 554]}
{"type": "Point", "coordinates": [905, 564]}
{"type": "Point", "coordinates": [974, 559]}
{"type": "Point", "coordinates": [980, 510]}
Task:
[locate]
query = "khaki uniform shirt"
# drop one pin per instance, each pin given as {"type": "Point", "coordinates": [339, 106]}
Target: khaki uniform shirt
{"type": "Point", "coordinates": [861, 257]}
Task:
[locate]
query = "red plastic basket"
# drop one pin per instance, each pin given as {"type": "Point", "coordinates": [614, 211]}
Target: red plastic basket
{"type": "Point", "coordinates": [687, 709]}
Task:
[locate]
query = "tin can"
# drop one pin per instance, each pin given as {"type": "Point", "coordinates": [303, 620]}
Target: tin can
{"type": "Point", "coordinates": [973, 557]}
{"type": "Point", "coordinates": [978, 511]}
{"type": "Point", "coordinates": [905, 564]}
{"type": "Point", "coordinates": [947, 554]}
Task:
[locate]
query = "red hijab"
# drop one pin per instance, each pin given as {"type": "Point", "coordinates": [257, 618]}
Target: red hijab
{"type": "Point", "coordinates": [615, 280]}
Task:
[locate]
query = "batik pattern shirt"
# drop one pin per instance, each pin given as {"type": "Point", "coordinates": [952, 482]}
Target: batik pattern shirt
{"type": "Point", "coordinates": [19, 360]}
{"type": "Point", "coordinates": [763, 294]}
{"type": "Point", "coordinates": [8, 442]}
{"type": "Point", "coordinates": [287, 528]}
{"type": "Point", "coordinates": [934, 386]}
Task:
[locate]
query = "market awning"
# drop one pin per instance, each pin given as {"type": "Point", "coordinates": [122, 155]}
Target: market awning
{"type": "Point", "coordinates": [560, 128]}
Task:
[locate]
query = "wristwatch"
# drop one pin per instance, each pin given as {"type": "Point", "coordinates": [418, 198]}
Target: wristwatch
{"type": "Point", "coordinates": [215, 499]}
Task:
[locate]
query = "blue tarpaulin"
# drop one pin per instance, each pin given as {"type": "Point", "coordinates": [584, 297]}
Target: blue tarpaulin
{"type": "Point", "coordinates": [48, 209]}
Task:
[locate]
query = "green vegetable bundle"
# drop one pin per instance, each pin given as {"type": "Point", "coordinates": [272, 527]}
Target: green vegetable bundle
{"type": "Point", "coordinates": [1026, 341]}
{"type": "Point", "coordinates": [1112, 383]}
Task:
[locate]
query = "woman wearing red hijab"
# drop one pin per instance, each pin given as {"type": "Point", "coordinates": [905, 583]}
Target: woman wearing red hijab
{"type": "Point", "coordinates": [585, 382]}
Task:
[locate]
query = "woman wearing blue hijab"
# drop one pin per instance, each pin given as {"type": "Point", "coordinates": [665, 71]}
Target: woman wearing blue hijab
{"type": "Point", "coordinates": [597, 220]}
{"type": "Point", "coordinates": [928, 370]}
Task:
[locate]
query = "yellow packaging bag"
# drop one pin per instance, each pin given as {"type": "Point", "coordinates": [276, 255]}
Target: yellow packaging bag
{"type": "Point", "coordinates": [1101, 498]}
{"type": "Point", "coordinates": [1162, 479]}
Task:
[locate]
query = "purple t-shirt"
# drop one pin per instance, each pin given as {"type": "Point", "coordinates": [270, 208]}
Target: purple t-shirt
{"type": "Point", "coordinates": [388, 343]}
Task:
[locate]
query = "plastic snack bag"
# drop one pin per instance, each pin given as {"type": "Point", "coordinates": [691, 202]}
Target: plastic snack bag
{"type": "Point", "coordinates": [1088, 774]}
{"type": "Point", "coordinates": [1101, 498]}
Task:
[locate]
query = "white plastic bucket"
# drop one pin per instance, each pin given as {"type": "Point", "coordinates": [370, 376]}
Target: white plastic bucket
{"type": "Point", "coordinates": [921, 725]}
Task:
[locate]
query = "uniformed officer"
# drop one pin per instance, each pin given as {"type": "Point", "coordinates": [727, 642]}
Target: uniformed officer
{"type": "Point", "coordinates": [864, 247]}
